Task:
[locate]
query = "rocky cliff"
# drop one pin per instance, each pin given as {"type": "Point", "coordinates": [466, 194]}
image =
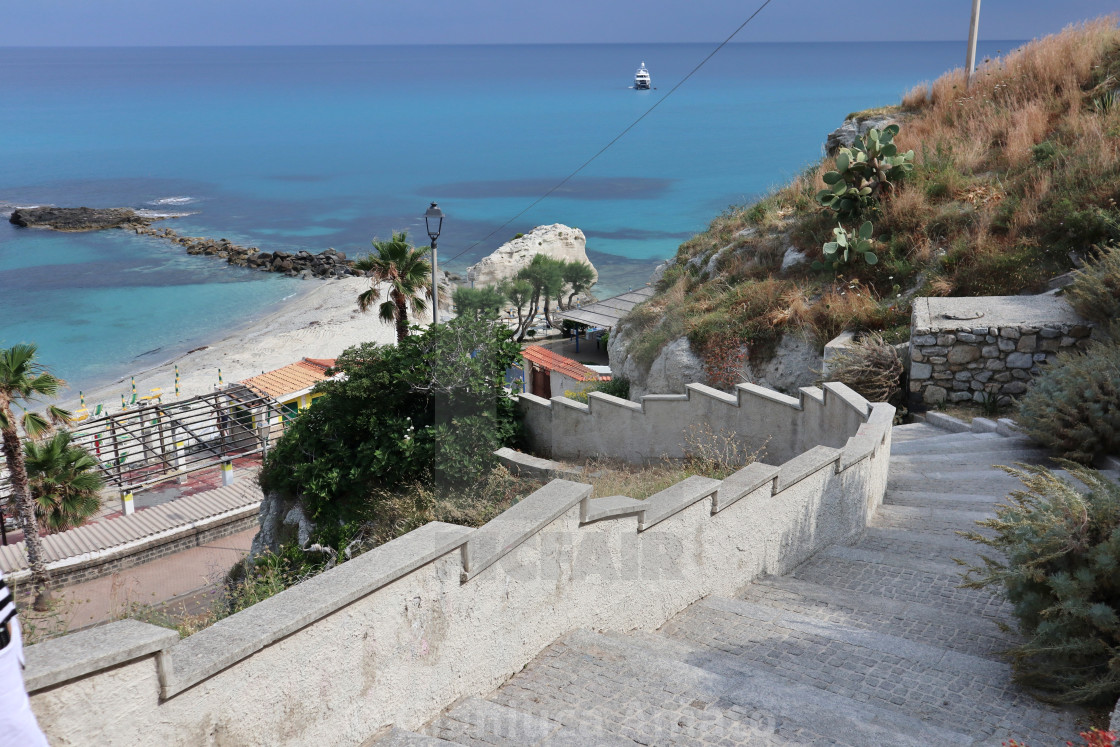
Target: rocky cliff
{"type": "Point", "coordinates": [557, 241]}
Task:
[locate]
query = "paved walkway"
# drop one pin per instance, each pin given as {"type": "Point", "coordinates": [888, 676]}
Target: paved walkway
{"type": "Point", "coordinates": [176, 577]}
{"type": "Point", "coordinates": [868, 644]}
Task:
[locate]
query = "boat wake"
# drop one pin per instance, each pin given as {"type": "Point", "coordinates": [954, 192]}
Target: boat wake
{"type": "Point", "coordinates": [178, 200]}
{"type": "Point", "coordinates": [163, 214]}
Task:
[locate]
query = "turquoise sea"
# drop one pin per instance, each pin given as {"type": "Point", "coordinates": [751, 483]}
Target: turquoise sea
{"type": "Point", "coordinates": [310, 147]}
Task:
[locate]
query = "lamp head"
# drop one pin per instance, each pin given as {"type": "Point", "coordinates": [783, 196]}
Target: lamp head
{"type": "Point", "coordinates": [433, 220]}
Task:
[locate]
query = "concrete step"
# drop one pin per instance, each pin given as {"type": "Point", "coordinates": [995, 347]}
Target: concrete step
{"type": "Point", "coordinates": [398, 737]}
{"type": "Point", "coordinates": [916, 622]}
{"type": "Point", "coordinates": [928, 520]}
{"type": "Point", "coordinates": [944, 689]}
{"type": "Point", "coordinates": [973, 459]}
{"type": "Point", "coordinates": [942, 548]}
{"type": "Point", "coordinates": [942, 501]}
{"type": "Point", "coordinates": [905, 579]}
{"type": "Point", "coordinates": [957, 442]}
{"type": "Point", "coordinates": [589, 682]}
{"type": "Point", "coordinates": [473, 721]}
{"type": "Point", "coordinates": [779, 711]}
{"type": "Point", "coordinates": [985, 480]}
{"type": "Point", "coordinates": [914, 431]}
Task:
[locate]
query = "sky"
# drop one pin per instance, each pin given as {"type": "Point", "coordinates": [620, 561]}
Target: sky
{"type": "Point", "coordinates": [268, 22]}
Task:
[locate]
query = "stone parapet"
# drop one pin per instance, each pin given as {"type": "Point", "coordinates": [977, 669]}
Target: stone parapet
{"type": "Point", "coordinates": [446, 612]}
{"type": "Point", "coordinates": [985, 348]}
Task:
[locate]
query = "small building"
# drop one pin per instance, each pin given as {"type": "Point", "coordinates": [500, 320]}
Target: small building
{"type": "Point", "coordinates": [549, 374]}
{"type": "Point", "coordinates": [290, 387]}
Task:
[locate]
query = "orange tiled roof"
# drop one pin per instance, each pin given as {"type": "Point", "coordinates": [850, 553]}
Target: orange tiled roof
{"type": "Point", "coordinates": [545, 358]}
{"type": "Point", "coordinates": [292, 378]}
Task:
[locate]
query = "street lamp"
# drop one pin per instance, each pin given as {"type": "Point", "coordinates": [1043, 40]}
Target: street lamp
{"type": "Point", "coordinates": [433, 221]}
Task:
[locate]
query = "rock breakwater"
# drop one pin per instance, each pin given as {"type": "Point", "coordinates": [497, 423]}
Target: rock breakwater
{"type": "Point", "coordinates": [329, 263]}
{"type": "Point", "coordinates": [79, 218]}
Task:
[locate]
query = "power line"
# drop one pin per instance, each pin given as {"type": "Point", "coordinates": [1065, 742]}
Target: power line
{"type": "Point", "coordinates": [619, 136]}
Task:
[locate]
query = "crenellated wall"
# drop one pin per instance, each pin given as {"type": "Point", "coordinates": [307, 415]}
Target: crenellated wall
{"type": "Point", "coordinates": [398, 633]}
{"type": "Point", "coordinates": [658, 426]}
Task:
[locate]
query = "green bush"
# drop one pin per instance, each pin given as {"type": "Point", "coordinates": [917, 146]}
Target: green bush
{"type": "Point", "coordinates": [1062, 574]}
{"type": "Point", "coordinates": [1073, 406]}
{"type": "Point", "coordinates": [1095, 292]}
{"type": "Point", "coordinates": [431, 409]}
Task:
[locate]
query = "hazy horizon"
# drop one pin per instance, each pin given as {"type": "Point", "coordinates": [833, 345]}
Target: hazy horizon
{"type": "Point", "coordinates": [207, 23]}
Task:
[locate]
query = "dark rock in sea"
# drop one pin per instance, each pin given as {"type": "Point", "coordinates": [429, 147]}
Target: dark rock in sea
{"type": "Point", "coordinates": [78, 219]}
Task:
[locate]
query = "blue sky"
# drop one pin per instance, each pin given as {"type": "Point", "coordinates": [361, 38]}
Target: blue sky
{"type": "Point", "coordinates": [236, 22]}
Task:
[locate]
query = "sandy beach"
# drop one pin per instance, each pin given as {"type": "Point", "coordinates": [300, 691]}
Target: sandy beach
{"type": "Point", "coordinates": [319, 324]}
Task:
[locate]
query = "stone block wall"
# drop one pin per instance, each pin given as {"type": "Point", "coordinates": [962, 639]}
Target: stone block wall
{"type": "Point", "coordinates": [972, 363]}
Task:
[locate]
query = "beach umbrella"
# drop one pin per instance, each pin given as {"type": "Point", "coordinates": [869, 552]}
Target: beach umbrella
{"type": "Point", "coordinates": [219, 378]}
{"type": "Point", "coordinates": [176, 381]}
{"type": "Point", "coordinates": [123, 405]}
{"type": "Point", "coordinates": [81, 399]}
{"type": "Point", "coordinates": [134, 386]}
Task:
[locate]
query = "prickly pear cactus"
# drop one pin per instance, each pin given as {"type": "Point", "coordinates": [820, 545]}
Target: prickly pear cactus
{"type": "Point", "coordinates": [847, 247]}
{"type": "Point", "coordinates": [863, 172]}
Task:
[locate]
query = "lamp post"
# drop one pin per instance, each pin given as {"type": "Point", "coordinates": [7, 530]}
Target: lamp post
{"type": "Point", "coordinates": [433, 221]}
{"type": "Point", "coordinates": [973, 33]}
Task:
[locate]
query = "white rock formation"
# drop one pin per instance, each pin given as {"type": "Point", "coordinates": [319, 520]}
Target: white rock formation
{"type": "Point", "coordinates": [673, 369]}
{"type": "Point", "coordinates": [796, 362]}
{"type": "Point", "coordinates": [557, 241]}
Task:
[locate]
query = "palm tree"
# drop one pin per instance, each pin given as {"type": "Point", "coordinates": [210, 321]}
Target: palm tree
{"type": "Point", "coordinates": [64, 482]}
{"type": "Point", "coordinates": [408, 274]}
{"type": "Point", "coordinates": [22, 381]}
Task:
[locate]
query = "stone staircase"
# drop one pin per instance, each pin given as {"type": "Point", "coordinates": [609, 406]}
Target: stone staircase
{"type": "Point", "coordinates": [867, 644]}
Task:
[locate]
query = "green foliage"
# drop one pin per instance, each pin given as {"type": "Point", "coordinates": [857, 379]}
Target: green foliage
{"type": "Point", "coordinates": [1073, 406]}
{"type": "Point", "coordinates": [1071, 225]}
{"type": "Point", "coordinates": [619, 387]}
{"type": "Point", "coordinates": [429, 410]}
{"type": "Point", "coordinates": [846, 247]}
{"type": "Point", "coordinates": [64, 480]}
{"type": "Point", "coordinates": [1095, 292]}
{"type": "Point", "coordinates": [407, 273]}
{"type": "Point", "coordinates": [481, 303]}
{"type": "Point", "coordinates": [578, 278]}
{"type": "Point", "coordinates": [863, 172]}
{"type": "Point", "coordinates": [1060, 568]}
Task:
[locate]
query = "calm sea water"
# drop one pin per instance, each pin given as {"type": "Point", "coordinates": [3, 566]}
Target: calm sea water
{"type": "Point", "coordinates": [310, 147]}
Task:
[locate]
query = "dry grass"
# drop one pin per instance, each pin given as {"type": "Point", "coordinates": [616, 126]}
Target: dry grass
{"type": "Point", "coordinates": [711, 452]}
{"type": "Point", "coordinates": [1011, 175]}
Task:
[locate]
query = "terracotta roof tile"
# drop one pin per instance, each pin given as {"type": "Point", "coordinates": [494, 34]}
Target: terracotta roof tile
{"type": "Point", "coordinates": [545, 358]}
{"type": "Point", "coordinates": [290, 379]}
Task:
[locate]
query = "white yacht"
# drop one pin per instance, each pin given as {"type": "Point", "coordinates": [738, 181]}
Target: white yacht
{"type": "Point", "coordinates": [641, 78]}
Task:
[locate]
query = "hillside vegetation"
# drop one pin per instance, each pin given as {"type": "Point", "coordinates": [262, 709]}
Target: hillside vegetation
{"type": "Point", "coordinates": [1013, 179]}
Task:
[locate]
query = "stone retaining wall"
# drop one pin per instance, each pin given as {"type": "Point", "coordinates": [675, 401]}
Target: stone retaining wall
{"type": "Point", "coordinates": [402, 631]}
{"type": "Point", "coordinates": [992, 356]}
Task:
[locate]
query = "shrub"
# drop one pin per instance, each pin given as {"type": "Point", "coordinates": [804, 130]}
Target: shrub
{"type": "Point", "coordinates": [1074, 405]}
{"type": "Point", "coordinates": [871, 367]}
{"type": "Point", "coordinates": [1095, 292]}
{"type": "Point", "coordinates": [431, 408]}
{"type": "Point", "coordinates": [1062, 550]}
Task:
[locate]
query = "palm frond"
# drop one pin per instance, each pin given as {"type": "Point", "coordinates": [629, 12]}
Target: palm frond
{"type": "Point", "coordinates": [367, 299]}
{"type": "Point", "coordinates": [34, 424]}
{"type": "Point", "coordinates": [387, 312]}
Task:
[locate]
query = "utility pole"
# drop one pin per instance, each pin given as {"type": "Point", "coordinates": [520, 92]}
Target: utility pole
{"type": "Point", "coordinates": [973, 32]}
